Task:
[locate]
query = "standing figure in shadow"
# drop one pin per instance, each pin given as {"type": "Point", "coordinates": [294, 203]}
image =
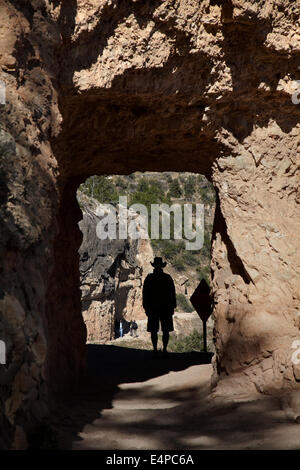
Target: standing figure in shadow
{"type": "Point", "coordinates": [159, 302]}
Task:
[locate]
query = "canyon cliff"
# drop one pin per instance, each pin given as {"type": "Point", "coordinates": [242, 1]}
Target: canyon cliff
{"type": "Point", "coordinates": [112, 273]}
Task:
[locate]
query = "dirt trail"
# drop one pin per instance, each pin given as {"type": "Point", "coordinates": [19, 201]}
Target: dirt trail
{"type": "Point", "coordinates": [133, 401]}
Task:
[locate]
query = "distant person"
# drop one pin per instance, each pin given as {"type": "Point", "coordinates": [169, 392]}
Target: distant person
{"type": "Point", "coordinates": [133, 328]}
{"type": "Point", "coordinates": [159, 302]}
{"type": "Point", "coordinates": [121, 329]}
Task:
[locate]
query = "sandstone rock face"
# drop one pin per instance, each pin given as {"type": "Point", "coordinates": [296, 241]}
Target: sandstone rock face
{"type": "Point", "coordinates": [112, 273]}
{"type": "Point", "coordinates": [114, 87]}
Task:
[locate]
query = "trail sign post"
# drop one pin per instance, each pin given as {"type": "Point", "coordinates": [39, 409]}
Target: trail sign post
{"type": "Point", "coordinates": [202, 303]}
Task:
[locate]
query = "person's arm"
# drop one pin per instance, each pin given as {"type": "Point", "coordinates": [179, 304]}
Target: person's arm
{"type": "Point", "coordinates": [172, 294]}
{"type": "Point", "coordinates": [146, 295]}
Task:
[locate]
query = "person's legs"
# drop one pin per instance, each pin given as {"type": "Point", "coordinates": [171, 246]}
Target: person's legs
{"type": "Point", "coordinates": [153, 327]}
{"type": "Point", "coordinates": [154, 340]}
{"type": "Point", "coordinates": [166, 326]}
{"type": "Point", "coordinates": [165, 340]}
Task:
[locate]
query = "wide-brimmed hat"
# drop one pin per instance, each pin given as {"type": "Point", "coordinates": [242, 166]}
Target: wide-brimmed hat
{"type": "Point", "coordinates": [158, 262]}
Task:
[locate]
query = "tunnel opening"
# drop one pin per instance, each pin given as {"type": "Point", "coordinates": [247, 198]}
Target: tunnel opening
{"type": "Point", "coordinates": [106, 132]}
{"type": "Point", "coordinates": [112, 133]}
{"type": "Point", "coordinates": [113, 265]}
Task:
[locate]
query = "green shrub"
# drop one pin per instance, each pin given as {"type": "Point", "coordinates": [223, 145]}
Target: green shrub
{"type": "Point", "coordinates": [122, 183]}
{"type": "Point", "coordinates": [190, 258]}
{"type": "Point", "coordinates": [190, 187]}
{"type": "Point", "coordinates": [178, 263]}
{"type": "Point", "coordinates": [183, 304]}
{"type": "Point", "coordinates": [143, 185]}
{"type": "Point", "coordinates": [207, 194]}
{"type": "Point", "coordinates": [168, 249]}
{"type": "Point", "coordinates": [193, 342]}
{"type": "Point", "coordinates": [100, 188]}
{"type": "Point", "coordinates": [175, 188]}
{"type": "Point", "coordinates": [203, 273]}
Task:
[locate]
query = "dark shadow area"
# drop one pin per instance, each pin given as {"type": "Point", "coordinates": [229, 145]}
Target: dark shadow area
{"type": "Point", "coordinates": [236, 264]}
{"type": "Point", "coordinates": [116, 365]}
{"type": "Point", "coordinates": [195, 425]}
{"type": "Point", "coordinates": [184, 420]}
{"type": "Point", "coordinates": [108, 367]}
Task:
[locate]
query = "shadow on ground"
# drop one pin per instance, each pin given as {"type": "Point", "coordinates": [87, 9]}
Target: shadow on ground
{"type": "Point", "coordinates": [108, 367]}
{"type": "Point", "coordinates": [118, 365]}
{"type": "Point", "coordinates": [174, 412]}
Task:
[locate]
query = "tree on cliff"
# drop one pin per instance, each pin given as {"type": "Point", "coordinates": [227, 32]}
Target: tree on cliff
{"type": "Point", "coordinates": [101, 188]}
{"type": "Point", "coordinates": [175, 189]}
{"type": "Point", "coordinates": [190, 187]}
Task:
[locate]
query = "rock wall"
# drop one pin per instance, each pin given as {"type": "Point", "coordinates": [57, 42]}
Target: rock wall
{"type": "Point", "coordinates": [112, 273]}
{"type": "Point", "coordinates": [113, 87]}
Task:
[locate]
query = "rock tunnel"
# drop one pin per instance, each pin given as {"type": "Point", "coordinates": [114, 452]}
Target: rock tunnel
{"type": "Point", "coordinates": [116, 87]}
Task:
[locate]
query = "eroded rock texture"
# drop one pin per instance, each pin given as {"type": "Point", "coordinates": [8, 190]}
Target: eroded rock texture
{"type": "Point", "coordinates": [118, 86]}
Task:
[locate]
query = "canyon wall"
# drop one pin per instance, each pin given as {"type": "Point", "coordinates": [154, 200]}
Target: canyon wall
{"type": "Point", "coordinates": [112, 273]}
{"type": "Point", "coordinates": [103, 87]}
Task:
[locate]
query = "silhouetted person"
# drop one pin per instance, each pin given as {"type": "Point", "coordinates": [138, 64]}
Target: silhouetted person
{"type": "Point", "coordinates": [133, 328]}
{"type": "Point", "coordinates": [159, 302]}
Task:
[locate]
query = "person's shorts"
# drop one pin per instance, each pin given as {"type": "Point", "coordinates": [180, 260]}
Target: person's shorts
{"type": "Point", "coordinates": [165, 320]}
